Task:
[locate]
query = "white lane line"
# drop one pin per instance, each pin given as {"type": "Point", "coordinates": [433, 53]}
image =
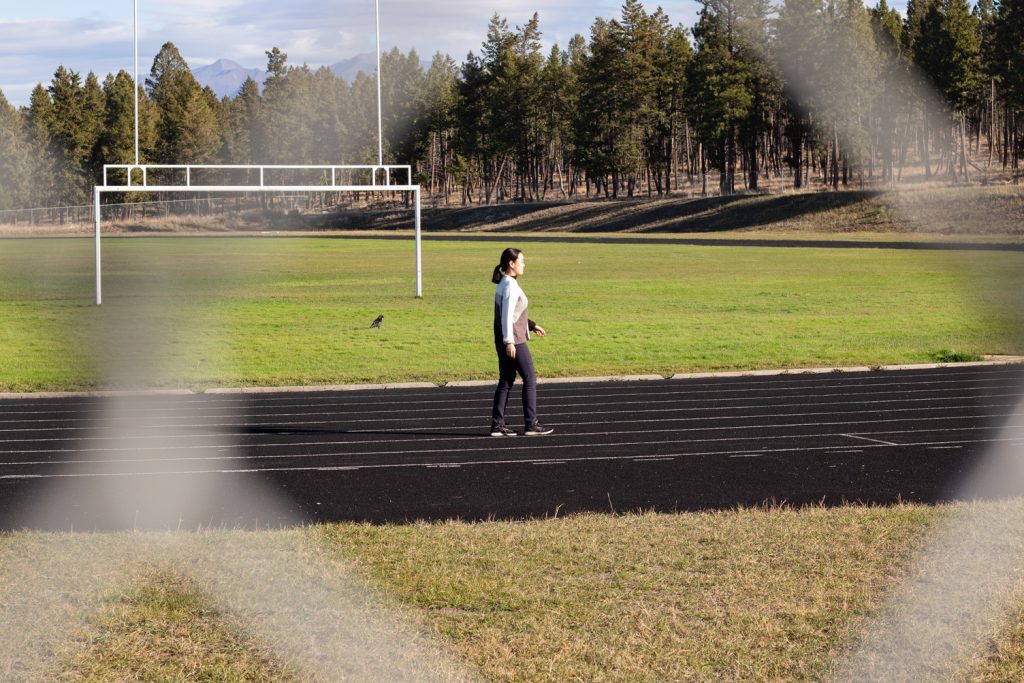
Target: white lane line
{"type": "Point", "coordinates": [942, 448]}
{"type": "Point", "coordinates": [223, 447]}
{"type": "Point", "coordinates": [220, 447]}
{"type": "Point", "coordinates": [865, 438]}
{"type": "Point", "coordinates": [547, 446]}
{"type": "Point", "coordinates": [472, 431]}
{"type": "Point", "coordinates": [747, 455]}
{"type": "Point", "coordinates": [549, 408]}
{"type": "Point", "coordinates": [470, 463]}
{"type": "Point", "coordinates": [611, 389]}
{"type": "Point", "coordinates": [280, 424]}
{"type": "Point", "coordinates": [332, 401]}
{"type": "Point", "coordinates": [871, 389]}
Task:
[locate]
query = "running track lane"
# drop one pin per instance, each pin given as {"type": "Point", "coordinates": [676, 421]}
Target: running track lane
{"type": "Point", "coordinates": [397, 455]}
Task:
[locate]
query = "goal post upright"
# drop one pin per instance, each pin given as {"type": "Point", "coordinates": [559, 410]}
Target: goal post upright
{"type": "Point", "coordinates": [419, 258]}
{"type": "Point", "coordinates": [96, 191]}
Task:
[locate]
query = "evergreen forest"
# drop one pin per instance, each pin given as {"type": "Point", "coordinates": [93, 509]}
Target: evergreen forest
{"type": "Point", "coordinates": [756, 97]}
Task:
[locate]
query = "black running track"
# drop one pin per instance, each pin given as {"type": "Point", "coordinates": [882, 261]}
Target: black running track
{"type": "Point", "coordinates": [405, 454]}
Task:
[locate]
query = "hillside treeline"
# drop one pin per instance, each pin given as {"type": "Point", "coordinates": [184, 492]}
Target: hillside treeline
{"type": "Point", "coordinates": [755, 96]}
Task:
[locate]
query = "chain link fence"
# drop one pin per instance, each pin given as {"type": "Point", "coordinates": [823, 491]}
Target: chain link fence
{"type": "Point", "coordinates": [265, 211]}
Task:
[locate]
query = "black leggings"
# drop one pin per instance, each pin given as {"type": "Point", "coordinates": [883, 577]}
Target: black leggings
{"type": "Point", "coordinates": [507, 369]}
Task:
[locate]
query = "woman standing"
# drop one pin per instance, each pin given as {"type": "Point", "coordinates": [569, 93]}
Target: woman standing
{"type": "Point", "coordinates": [512, 329]}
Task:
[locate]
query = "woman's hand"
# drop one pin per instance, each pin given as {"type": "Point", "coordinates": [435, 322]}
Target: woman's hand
{"type": "Point", "coordinates": [510, 350]}
{"type": "Point", "coordinates": [539, 330]}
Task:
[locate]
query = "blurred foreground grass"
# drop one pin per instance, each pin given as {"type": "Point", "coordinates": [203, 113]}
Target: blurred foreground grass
{"type": "Point", "coordinates": [743, 595]}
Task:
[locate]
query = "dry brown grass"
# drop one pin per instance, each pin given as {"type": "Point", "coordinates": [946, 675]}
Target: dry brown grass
{"type": "Point", "coordinates": [931, 210]}
{"type": "Point", "coordinates": [768, 594]}
{"type": "Point", "coordinates": [752, 595]}
{"type": "Point", "coordinates": [209, 606]}
{"type": "Point", "coordinates": [162, 628]}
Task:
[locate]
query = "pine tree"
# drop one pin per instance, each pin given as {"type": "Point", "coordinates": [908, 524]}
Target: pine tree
{"type": "Point", "coordinates": [953, 56]}
{"type": "Point", "coordinates": [474, 125]}
{"type": "Point", "coordinates": [40, 124]}
{"type": "Point", "coordinates": [287, 113]}
{"type": "Point", "coordinates": [761, 81]}
{"type": "Point", "coordinates": [799, 40]}
{"type": "Point", "coordinates": [891, 103]}
{"type": "Point", "coordinates": [70, 138]}
{"type": "Point", "coordinates": [437, 125]}
{"type": "Point", "coordinates": [329, 127]}
{"type": "Point", "coordinates": [645, 68]}
{"type": "Point", "coordinates": [577, 53]}
{"type": "Point", "coordinates": [187, 130]}
{"type": "Point", "coordinates": [1009, 56]}
{"type": "Point", "coordinates": [40, 115]}
{"type": "Point", "coordinates": [985, 13]}
{"type": "Point", "coordinates": [600, 128]}
{"type": "Point", "coordinates": [718, 78]}
{"type": "Point", "coordinates": [850, 74]}
{"type": "Point", "coordinates": [672, 93]}
{"type": "Point", "coordinates": [559, 99]}
{"type": "Point", "coordinates": [240, 129]}
{"type": "Point", "coordinates": [116, 143]}
{"type": "Point", "coordinates": [948, 51]}
{"type": "Point", "coordinates": [276, 65]}
{"type": "Point", "coordinates": [149, 118]}
{"type": "Point", "coordinates": [402, 83]}
{"type": "Point", "coordinates": [512, 63]}
{"type": "Point", "coordinates": [361, 119]}
{"type": "Point", "coordinates": [15, 158]}
{"type": "Point", "coordinates": [94, 114]}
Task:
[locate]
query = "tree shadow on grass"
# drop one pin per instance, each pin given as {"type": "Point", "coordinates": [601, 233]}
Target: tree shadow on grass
{"type": "Point", "coordinates": [699, 215]}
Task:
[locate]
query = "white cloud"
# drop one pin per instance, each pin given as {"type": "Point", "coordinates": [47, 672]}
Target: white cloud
{"type": "Point", "coordinates": [203, 6]}
{"type": "Point", "coordinates": [33, 49]}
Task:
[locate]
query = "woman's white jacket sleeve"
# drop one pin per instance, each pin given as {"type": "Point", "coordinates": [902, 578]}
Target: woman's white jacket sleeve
{"type": "Point", "coordinates": [508, 296]}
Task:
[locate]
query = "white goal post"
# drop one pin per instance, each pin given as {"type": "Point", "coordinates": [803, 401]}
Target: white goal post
{"type": "Point", "coordinates": [382, 172]}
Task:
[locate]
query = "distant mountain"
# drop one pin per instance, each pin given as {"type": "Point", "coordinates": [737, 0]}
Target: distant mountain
{"type": "Point", "coordinates": [348, 68]}
{"type": "Point", "coordinates": [226, 77]}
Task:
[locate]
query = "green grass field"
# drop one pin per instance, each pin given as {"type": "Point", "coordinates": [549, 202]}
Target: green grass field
{"type": "Point", "coordinates": [199, 312]}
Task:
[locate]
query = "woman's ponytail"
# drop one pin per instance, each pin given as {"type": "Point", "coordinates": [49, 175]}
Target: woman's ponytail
{"type": "Point", "coordinates": [508, 256]}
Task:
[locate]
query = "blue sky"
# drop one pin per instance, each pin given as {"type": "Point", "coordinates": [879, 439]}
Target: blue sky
{"type": "Point", "coordinates": [96, 35]}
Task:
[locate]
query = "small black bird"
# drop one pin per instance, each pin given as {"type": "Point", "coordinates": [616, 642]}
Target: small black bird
{"type": "Point", "coordinates": [377, 322]}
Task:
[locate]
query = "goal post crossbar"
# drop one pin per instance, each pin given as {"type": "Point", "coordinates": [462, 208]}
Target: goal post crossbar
{"type": "Point", "coordinates": [375, 171]}
{"type": "Point", "coordinates": [99, 190]}
{"type": "Point", "coordinates": [258, 188]}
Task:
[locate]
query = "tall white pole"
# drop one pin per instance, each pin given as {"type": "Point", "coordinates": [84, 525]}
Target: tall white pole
{"type": "Point", "coordinates": [96, 219]}
{"type": "Point", "coordinates": [136, 84]}
{"type": "Point", "coordinates": [419, 259]}
{"type": "Point", "coordinates": [380, 135]}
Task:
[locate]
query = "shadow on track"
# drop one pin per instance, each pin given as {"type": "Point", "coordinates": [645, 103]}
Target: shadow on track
{"type": "Point", "coordinates": [369, 432]}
